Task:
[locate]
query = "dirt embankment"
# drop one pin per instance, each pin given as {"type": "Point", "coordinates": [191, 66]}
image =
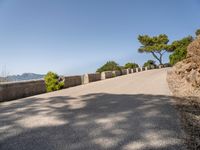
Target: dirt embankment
{"type": "Point", "coordinates": [184, 82]}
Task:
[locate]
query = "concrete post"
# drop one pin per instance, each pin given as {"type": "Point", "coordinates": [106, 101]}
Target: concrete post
{"type": "Point", "coordinates": [106, 75]}
{"type": "Point", "coordinates": [128, 71]}
{"type": "Point", "coordinates": [132, 70]}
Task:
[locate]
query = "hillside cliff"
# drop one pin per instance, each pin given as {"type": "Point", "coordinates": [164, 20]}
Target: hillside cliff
{"type": "Point", "coordinates": [184, 78]}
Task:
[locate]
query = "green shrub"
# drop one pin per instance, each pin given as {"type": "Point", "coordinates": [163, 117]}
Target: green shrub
{"type": "Point", "coordinates": [197, 32]}
{"type": "Point", "coordinates": [52, 81]}
{"type": "Point", "coordinates": [109, 66]}
{"type": "Point", "coordinates": [149, 63]}
{"type": "Point", "coordinates": [179, 50]}
{"type": "Point", "coordinates": [131, 65]}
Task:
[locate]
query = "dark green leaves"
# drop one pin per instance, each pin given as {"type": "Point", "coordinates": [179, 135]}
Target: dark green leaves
{"type": "Point", "coordinates": [109, 66]}
{"type": "Point", "coordinates": [180, 49]}
{"type": "Point", "coordinates": [130, 65]}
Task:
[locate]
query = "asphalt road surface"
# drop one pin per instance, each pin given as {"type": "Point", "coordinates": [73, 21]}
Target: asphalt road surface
{"type": "Point", "coordinates": [131, 112]}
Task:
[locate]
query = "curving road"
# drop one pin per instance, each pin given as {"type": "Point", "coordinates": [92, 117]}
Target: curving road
{"type": "Point", "coordinates": [131, 112]}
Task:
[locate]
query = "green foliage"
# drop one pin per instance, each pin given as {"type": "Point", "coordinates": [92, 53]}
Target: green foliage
{"type": "Point", "coordinates": [131, 65]}
{"type": "Point", "coordinates": [156, 45]}
{"type": "Point", "coordinates": [180, 49]}
{"type": "Point", "coordinates": [52, 82]}
{"type": "Point", "coordinates": [149, 63]}
{"type": "Point", "coordinates": [197, 32]}
{"type": "Point", "coordinates": [113, 75]}
{"type": "Point", "coordinates": [109, 66]}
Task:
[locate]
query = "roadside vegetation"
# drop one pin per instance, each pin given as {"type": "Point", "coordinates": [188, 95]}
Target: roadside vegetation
{"type": "Point", "coordinates": [150, 63]}
{"type": "Point", "coordinates": [113, 66]}
{"type": "Point", "coordinates": [53, 82]}
{"type": "Point", "coordinates": [156, 45]}
{"type": "Point", "coordinates": [180, 49]}
{"type": "Point", "coordinates": [131, 65]}
{"type": "Point", "coordinates": [109, 66]}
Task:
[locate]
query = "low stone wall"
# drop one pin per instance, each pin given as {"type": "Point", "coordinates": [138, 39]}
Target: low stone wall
{"type": "Point", "coordinates": [133, 70]}
{"type": "Point", "coordinates": [106, 75]}
{"type": "Point", "coordinates": [152, 67]}
{"type": "Point", "coordinates": [87, 78]}
{"type": "Point", "coordinates": [71, 81]}
{"type": "Point", "coordinates": [16, 90]}
{"type": "Point", "coordinates": [142, 68]}
{"type": "Point", "coordinates": [117, 73]}
{"type": "Point", "coordinates": [124, 71]}
{"type": "Point", "coordinates": [148, 68]}
{"type": "Point", "coordinates": [138, 69]}
{"type": "Point", "coordinates": [128, 71]}
{"type": "Point", "coordinates": [160, 66]}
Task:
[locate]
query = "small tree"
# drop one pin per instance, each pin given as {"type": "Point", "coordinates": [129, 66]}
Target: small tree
{"type": "Point", "coordinates": [109, 66]}
{"type": "Point", "coordinates": [179, 49]}
{"type": "Point", "coordinates": [156, 45]}
{"type": "Point", "coordinates": [53, 82]}
{"type": "Point", "coordinates": [130, 65]}
{"type": "Point", "coordinates": [149, 63]}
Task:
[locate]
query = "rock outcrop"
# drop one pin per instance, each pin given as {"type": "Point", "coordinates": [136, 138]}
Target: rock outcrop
{"type": "Point", "coordinates": [184, 78]}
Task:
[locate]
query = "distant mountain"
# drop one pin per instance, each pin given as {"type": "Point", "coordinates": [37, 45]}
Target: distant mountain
{"type": "Point", "coordinates": [24, 76]}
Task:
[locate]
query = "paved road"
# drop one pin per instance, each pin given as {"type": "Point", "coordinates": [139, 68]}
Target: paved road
{"type": "Point", "coordinates": [131, 112]}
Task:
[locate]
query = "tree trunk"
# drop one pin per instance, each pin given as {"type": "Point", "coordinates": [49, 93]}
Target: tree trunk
{"type": "Point", "coordinates": [160, 61]}
{"type": "Point", "coordinates": [158, 58]}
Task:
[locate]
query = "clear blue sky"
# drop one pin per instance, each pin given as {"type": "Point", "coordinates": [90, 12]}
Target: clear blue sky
{"type": "Point", "coordinates": [78, 36]}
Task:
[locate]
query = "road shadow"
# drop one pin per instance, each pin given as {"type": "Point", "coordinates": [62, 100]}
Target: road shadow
{"type": "Point", "coordinates": [94, 121]}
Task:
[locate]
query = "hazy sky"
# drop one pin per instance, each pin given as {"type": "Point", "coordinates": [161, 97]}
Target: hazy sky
{"type": "Point", "coordinates": [78, 36]}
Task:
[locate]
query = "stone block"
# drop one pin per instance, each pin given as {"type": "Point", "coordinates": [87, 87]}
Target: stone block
{"type": "Point", "coordinates": [124, 71]}
{"type": "Point", "coordinates": [92, 77]}
{"type": "Point", "coordinates": [106, 75]}
{"type": "Point", "coordinates": [71, 81]}
{"type": "Point", "coordinates": [116, 73]}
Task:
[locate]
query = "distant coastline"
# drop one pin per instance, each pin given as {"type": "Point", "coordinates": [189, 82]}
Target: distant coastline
{"type": "Point", "coordinates": [23, 77]}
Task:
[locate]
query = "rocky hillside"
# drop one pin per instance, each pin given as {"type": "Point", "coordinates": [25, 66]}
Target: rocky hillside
{"type": "Point", "coordinates": [184, 78]}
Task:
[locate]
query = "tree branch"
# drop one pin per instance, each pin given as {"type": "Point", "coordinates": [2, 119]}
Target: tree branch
{"type": "Point", "coordinates": [155, 55]}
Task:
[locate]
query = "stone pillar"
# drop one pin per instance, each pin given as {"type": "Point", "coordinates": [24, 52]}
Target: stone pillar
{"type": "Point", "coordinates": [106, 75]}
{"type": "Point", "coordinates": [128, 71]}
{"type": "Point", "coordinates": [132, 70]}
{"type": "Point", "coordinates": [87, 78]}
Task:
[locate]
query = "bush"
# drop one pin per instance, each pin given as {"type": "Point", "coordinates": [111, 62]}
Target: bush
{"type": "Point", "coordinates": [131, 65]}
{"type": "Point", "coordinates": [53, 82]}
{"type": "Point", "coordinates": [109, 66]}
{"type": "Point", "coordinates": [197, 32]}
{"type": "Point", "coordinates": [149, 63]}
{"type": "Point", "coordinates": [180, 50]}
